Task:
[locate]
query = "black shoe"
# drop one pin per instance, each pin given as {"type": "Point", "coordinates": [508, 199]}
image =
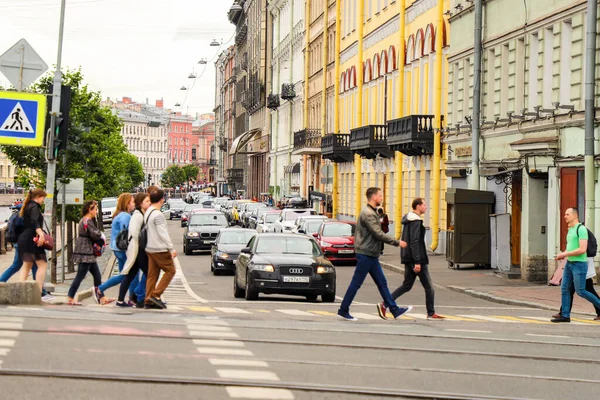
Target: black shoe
{"type": "Point", "coordinates": [561, 319]}
{"type": "Point", "coordinates": [158, 303]}
{"type": "Point", "coordinates": [139, 304]}
{"type": "Point", "coordinates": [133, 298]}
{"type": "Point", "coordinates": [152, 307]}
{"type": "Point", "coordinates": [123, 304]}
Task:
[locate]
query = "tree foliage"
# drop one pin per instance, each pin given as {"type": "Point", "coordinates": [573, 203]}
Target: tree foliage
{"type": "Point", "coordinates": [191, 172]}
{"type": "Point", "coordinates": [95, 150]}
{"type": "Point", "coordinates": [173, 176]}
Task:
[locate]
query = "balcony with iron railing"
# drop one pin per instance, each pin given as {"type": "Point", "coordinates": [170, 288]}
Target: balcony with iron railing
{"type": "Point", "coordinates": [412, 135]}
{"type": "Point", "coordinates": [336, 147]}
{"type": "Point", "coordinates": [235, 174]}
{"type": "Point", "coordinates": [370, 141]}
{"type": "Point", "coordinates": [307, 141]}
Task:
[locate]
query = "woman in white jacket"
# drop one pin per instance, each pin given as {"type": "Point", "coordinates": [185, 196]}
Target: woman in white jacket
{"type": "Point", "coordinates": [136, 257]}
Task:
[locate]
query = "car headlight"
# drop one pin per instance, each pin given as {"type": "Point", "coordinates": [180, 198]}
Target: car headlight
{"type": "Point", "coordinates": [263, 267]}
{"type": "Point", "coordinates": [324, 270]}
{"type": "Point", "coordinates": [193, 234]}
{"type": "Point", "coordinates": [223, 255]}
{"type": "Point", "coordinates": [325, 244]}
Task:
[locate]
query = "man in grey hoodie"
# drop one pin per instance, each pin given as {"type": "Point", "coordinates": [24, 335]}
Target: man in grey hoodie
{"type": "Point", "coordinates": [367, 244]}
{"type": "Point", "coordinates": [414, 256]}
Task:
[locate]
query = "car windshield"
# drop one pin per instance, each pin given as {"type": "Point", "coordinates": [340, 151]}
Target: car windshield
{"type": "Point", "coordinates": [190, 207]}
{"type": "Point", "coordinates": [109, 203]}
{"type": "Point", "coordinates": [177, 204]}
{"type": "Point", "coordinates": [220, 201]}
{"type": "Point", "coordinates": [236, 237]}
{"type": "Point", "coordinates": [313, 226]}
{"type": "Point", "coordinates": [208, 220]}
{"type": "Point", "coordinates": [332, 230]}
{"type": "Point", "coordinates": [292, 215]}
{"type": "Point", "coordinates": [271, 218]}
{"type": "Point", "coordinates": [254, 206]}
{"type": "Point", "coordinates": [207, 204]}
{"type": "Point", "coordinates": [288, 245]}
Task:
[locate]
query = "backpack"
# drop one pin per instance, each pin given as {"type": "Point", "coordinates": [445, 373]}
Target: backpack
{"type": "Point", "coordinates": [123, 240]}
{"type": "Point", "coordinates": [14, 228]}
{"type": "Point", "coordinates": [592, 247]}
{"type": "Point", "coordinates": [144, 233]}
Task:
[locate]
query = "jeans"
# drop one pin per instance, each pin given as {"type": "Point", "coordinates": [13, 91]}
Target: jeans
{"type": "Point", "coordinates": [131, 280]}
{"type": "Point", "coordinates": [16, 266]}
{"type": "Point", "coordinates": [81, 273]}
{"type": "Point", "coordinates": [409, 280]}
{"type": "Point", "coordinates": [574, 274]}
{"type": "Point", "coordinates": [117, 279]}
{"type": "Point", "coordinates": [589, 286]}
{"type": "Point", "coordinates": [368, 266]}
{"type": "Point", "coordinates": [140, 290]}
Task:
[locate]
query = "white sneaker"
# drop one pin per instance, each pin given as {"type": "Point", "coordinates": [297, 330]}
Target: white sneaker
{"type": "Point", "coordinates": [48, 298]}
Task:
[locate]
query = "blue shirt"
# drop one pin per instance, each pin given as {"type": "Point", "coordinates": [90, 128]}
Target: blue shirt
{"type": "Point", "coordinates": [120, 222]}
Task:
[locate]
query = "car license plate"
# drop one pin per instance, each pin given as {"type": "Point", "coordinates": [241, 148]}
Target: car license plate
{"type": "Point", "coordinates": [296, 279]}
{"type": "Point", "coordinates": [346, 251]}
{"type": "Point", "coordinates": [208, 242]}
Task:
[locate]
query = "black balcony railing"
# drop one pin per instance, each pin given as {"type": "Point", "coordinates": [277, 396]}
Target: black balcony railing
{"type": "Point", "coordinates": [234, 174]}
{"type": "Point", "coordinates": [336, 147]}
{"type": "Point", "coordinates": [370, 141]}
{"type": "Point", "coordinates": [308, 139]}
{"type": "Point", "coordinates": [412, 135]}
{"type": "Point", "coordinates": [212, 161]}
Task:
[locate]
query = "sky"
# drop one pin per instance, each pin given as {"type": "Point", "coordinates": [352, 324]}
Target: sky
{"type": "Point", "coordinates": [143, 49]}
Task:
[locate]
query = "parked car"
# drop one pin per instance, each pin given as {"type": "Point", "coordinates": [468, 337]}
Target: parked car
{"type": "Point", "coordinates": [285, 264]}
{"type": "Point", "coordinates": [109, 205]}
{"type": "Point", "coordinates": [309, 226]}
{"type": "Point", "coordinates": [266, 223]}
{"type": "Point", "coordinates": [173, 208]}
{"type": "Point", "coordinates": [202, 230]}
{"type": "Point", "coordinates": [337, 241]}
{"type": "Point", "coordinates": [227, 247]}
{"type": "Point", "coordinates": [288, 216]}
{"type": "Point", "coordinates": [249, 210]}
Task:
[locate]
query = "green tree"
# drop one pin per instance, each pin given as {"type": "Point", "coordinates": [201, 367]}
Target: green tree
{"type": "Point", "coordinates": [173, 176]}
{"type": "Point", "coordinates": [191, 172]}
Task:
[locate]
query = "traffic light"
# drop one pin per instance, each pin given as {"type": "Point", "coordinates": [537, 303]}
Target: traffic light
{"type": "Point", "coordinates": [149, 179]}
{"type": "Point", "coordinates": [61, 131]}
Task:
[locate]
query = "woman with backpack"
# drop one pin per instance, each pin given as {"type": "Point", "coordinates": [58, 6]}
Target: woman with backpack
{"type": "Point", "coordinates": [136, 251]}
{"type": "Point", "coordinates": [118, 233]}
{"type": "Point", "coordinates": [32, 239]}
{"type": "Point", "coordinates": [88, 245]}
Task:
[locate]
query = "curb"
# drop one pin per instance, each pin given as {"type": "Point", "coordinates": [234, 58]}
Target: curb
{"type": "Point", "coordinates": [108, 269]}
{"type": "Point", "coordinates": [485, 295]}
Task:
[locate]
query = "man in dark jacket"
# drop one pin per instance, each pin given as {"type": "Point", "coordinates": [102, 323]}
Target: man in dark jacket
{"type": "Point", "coordinates": [414, 256]}
{"type": "Point", "coordinates": [367, 244]}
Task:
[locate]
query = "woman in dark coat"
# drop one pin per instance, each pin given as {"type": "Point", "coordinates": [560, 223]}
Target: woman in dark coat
{"type": "Point", "coordinates": [32, 239]}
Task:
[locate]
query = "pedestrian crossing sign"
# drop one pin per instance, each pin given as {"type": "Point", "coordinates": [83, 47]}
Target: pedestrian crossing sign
{"type": "Point", "coordinates": [22, 119]}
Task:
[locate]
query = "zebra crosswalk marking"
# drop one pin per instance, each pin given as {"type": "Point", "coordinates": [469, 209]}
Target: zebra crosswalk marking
{"type": "Point", "coordinates": [524, 319]}
{"type": "Point", "coordinates": [324, 313]}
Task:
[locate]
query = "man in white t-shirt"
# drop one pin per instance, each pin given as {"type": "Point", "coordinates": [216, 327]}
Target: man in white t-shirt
{"type": "Point", "coordinates": [589, 286]}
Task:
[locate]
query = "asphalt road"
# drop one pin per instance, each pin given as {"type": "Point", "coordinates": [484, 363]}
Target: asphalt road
{"type": "Point", "coordinates": [209, 345]}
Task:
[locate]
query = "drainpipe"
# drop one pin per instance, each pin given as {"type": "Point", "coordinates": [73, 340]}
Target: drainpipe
{"type": "Point", "coordinates": [359, 111]}
{"type": "Point", "coordinates": [268, 83]}
{"type": "Point", "coordinates": [324, 92]}
{"type": "Point", "coordinates": [304, 189]}
{"type": "Point", "coordinates": [276, 138]}
{"type": "Point", "coordinates": [291, 127]}
{"type": "Point", "coordinates": [438, 86]}
{"type": "Point", "coordinates": [336, 105]}
{"type": "Point", "coordinates": [476, 121]}
{"type": "Point", "coordinates": [399, 156]}
{"type": "Point", "coordinates": [590, 79]}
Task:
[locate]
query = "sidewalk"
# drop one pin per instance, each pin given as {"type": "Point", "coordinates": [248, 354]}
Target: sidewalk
{"type": "Point", "coordinates": [485, 284]}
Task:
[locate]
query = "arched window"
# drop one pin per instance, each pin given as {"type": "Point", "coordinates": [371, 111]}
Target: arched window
{"type": "Point", "coordinates": [393, 61]}
{"type": "Point", "coordinates": [343, 82]}
{"type": "Point", "coordinates": [429, 42]}
{"type": "Point", "coordinates": [383, 65]}
{"type": "Point", "coordinates": [410, 49]}
{"type": "Point", "coordinates": [419, 41]}
{"type": "Point", "coordinates": [376, 66]}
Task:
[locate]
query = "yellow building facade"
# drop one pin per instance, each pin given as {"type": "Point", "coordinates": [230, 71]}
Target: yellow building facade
{"type": "Point", "coordinates": [384, 100]}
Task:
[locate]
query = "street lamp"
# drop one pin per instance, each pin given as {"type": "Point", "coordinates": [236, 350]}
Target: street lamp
{"type": "Point", "coordinates": [202, 61]}
{"type": "Point", "coordinates": [192, 76]}
{"type": "Point", "coordinates": [177, 105]}
{"type": "Point", "coordinates": [214, 43]}
{"type": "Point", "coordinates": [183, 88]}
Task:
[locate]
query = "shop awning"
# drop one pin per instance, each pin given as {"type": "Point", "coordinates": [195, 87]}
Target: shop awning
{"type": "Point", "coordinates": [242, 140]}
{"type": "Point", "coordinates": [292, 168]}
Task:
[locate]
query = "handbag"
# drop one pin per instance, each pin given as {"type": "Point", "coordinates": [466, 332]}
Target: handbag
{"type": "Point", "coordinates": [558, 274]}
{"type": "Point", "coordinates": [48, 239]}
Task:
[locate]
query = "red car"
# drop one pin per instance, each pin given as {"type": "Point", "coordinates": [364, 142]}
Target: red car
{"type": "Point", "coordinates": [337, 241]}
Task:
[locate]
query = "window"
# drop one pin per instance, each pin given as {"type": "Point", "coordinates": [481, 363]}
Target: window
{"type": "Point", "coordinates": [565, 62]}
{"type": "Point", "coordinates": [534, 47]}
{"type": "Point", "coordinates": [548, 64]}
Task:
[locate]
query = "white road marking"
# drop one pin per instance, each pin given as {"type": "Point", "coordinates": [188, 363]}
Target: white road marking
{"type": "Point", "coordinates": [11, 319]}
{"type": "Point", "coordinates": [238, 363]}
{"type": "Point", "coordinates": [232, 310]}
{"type": "Point", "coordinates": [222, 343]}
{"type": "Point", "coordinates": [206, 321]}
{"type": "Point", "coordinates": [228, 335]}
{"type": "Point", "coordinates": [209, 328]}
{"type": "Point", "coordinates": [7, 343]}
{"type": "Point", "coordinates": [365, 316]}
{"type": "Point", "coordinates": [547, 319]}
{"type": "Point", "coordinates": [4, 352]}
{"type": "Point", "coordinates": [415, 316]}
{"type": "Point", "coordinates": [179, 274]}
{"type": "Point", "coordinates": [548, 336]}
{"type": "Point", "coordinates": [467, 331]}
{"type": "Point", "coordinates": [240, 392]}
{"type": "Point", "coordinates": [247, 374]}
{"type": "Point", "coordinates": [11, 325]}
{"type": "Point", "coordinates": [225, 352]}
{"type": "Point", "coordinates": [297, 312]}
{"type": "Point", "coordinates": [9, 333]}
{"type": "Point", "coordinates": [490, 319]}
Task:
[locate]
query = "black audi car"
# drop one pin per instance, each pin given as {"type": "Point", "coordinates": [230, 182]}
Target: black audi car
{"type": "Point", "coordinates": [202, 230]}
{"type": "Point", "coordinates": [284, 264]}
{"type": "Point", "coordinates": [227, 247]}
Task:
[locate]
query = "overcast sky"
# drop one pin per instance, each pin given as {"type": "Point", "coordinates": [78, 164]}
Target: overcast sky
{"type": "Point", "coordinates": [136, 48]}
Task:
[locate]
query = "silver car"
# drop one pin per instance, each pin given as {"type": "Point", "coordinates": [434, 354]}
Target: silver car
{"type": "Point", "coordinates": [109, 205]}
